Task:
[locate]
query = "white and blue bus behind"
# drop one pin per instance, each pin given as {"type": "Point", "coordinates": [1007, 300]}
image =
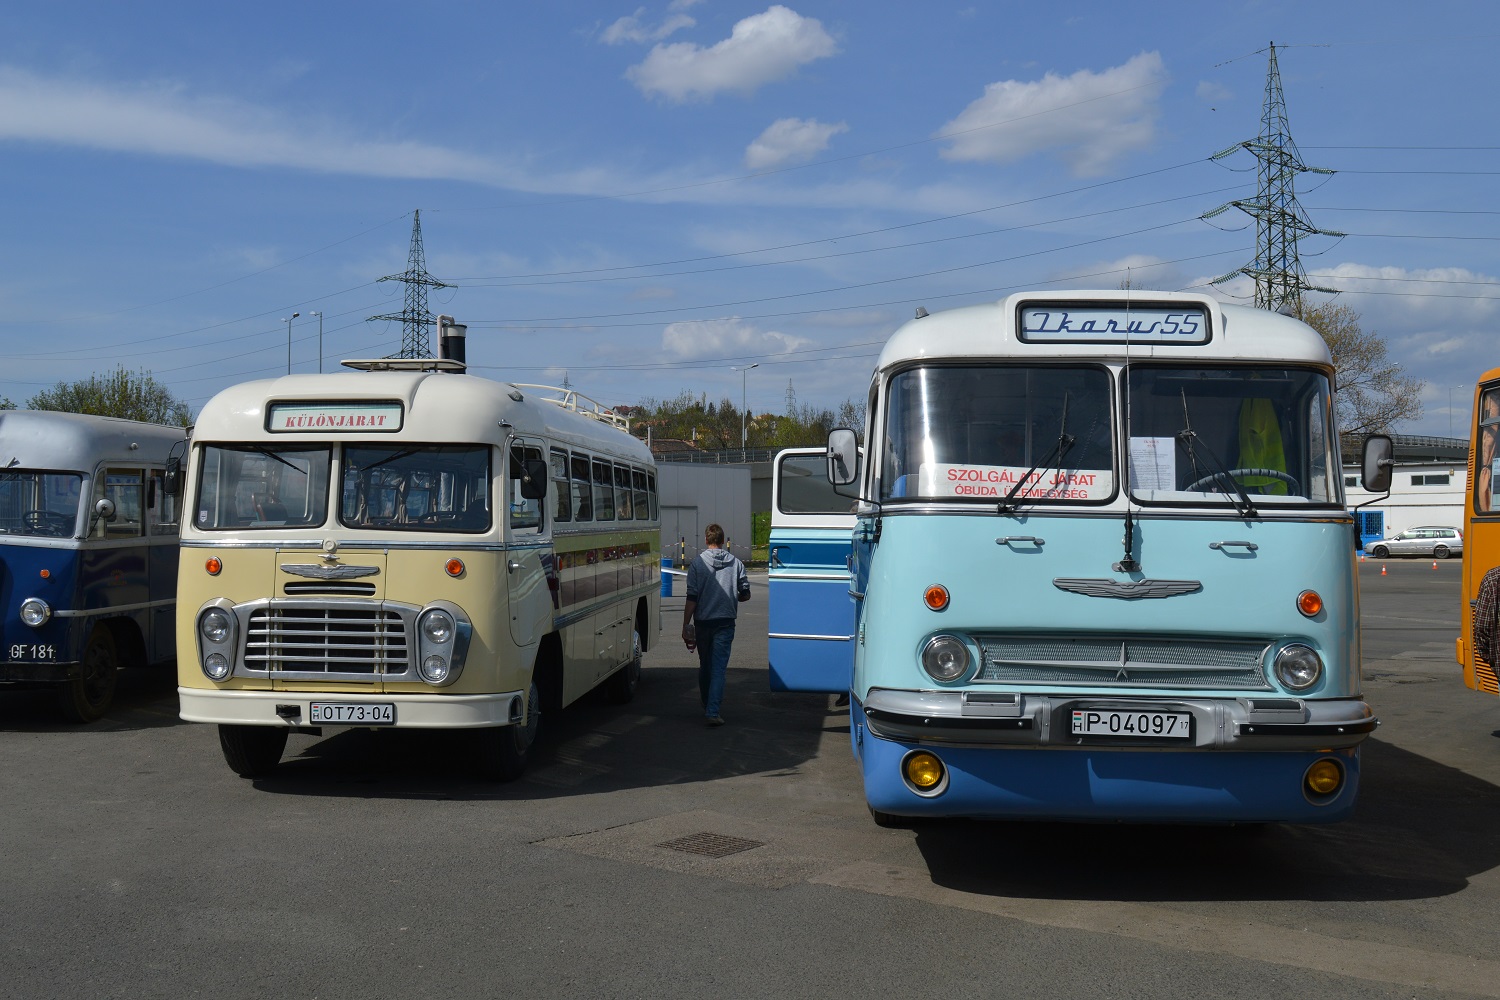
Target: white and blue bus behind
{"type": "Point", "coordinates": [1101, 568]}
{"type": "Point", "coordinates": [88, 546]}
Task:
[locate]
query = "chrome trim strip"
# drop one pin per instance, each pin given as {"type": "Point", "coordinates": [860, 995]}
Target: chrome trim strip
{"type": "Point", "coordinates": [116, 609]}
{"type": "Point", "coordinates": [347, 545]}
{"type": "Point", "coordinates": [1321, 515]}
{"type": "Point", "coordinates": [822, 638]}
{"type": "Point", "coordinates": [832, 577]}
{"type": "Point", "coordinates": [579, 614]}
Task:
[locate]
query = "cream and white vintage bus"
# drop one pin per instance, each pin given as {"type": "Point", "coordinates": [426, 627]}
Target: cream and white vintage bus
{"type": "Point", "coordinates": [409, 546]}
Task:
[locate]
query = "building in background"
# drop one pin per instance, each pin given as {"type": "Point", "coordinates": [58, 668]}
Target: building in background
{"type": "Point", "coordinates": [1428, 488]}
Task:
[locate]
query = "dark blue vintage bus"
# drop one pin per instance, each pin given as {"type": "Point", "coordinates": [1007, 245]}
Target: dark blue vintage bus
{"type": "Point", "coordinates": [88, 552]}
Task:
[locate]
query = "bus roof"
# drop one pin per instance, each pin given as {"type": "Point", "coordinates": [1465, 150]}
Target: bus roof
{"type": "Point", "coordinates": [77, 442]}
{"type": "Point", "coordinates": [435, 408]}
{"type": "Point", "coordinates": [990, 331]}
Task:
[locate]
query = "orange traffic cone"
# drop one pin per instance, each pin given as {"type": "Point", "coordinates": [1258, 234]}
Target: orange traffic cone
{"type": "Point", "coordinates": [1434, 564]}
{"type": "Point", "coordinates": [1382, 571]}
{"type": "Point", "coordinates": [1361, 557]}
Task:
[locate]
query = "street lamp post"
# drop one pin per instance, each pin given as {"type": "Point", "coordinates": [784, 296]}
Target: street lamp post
{"type": "Point", "coordinates": [320, 338]}
{"type": "Point", "coordinates": [744, 427]}
{"type": "Point", "coordinates": [1450, 406]}
{"type": "Point", "coordinates": [288, 322]}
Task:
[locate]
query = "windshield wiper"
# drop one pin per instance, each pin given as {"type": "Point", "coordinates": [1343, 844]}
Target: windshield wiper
{"type": "Point", "coordinates": [1186, 437]}
{"type": "Point", "coordinates": [263, 450]}
{"type": "Point", "coordinates": [1053, 460]}
{"type": "Point", "coordinates": [388, 460]}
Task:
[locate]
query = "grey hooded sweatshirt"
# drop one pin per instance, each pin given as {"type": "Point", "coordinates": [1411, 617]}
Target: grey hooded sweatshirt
{"type": "Point", "coordinates": [715, 580]}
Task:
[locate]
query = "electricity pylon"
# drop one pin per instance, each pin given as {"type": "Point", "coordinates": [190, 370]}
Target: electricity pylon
{"type": "Point", "coordinates": [1279, 219]}
{"type": "Point", "coordinates": [414, 317]}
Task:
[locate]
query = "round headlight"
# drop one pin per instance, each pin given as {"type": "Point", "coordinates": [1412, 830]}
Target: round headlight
{"type": "Point", "coordinates": [214, 625]}
{"type": "Point", "coordinates": [945, 658]}
{"type": "Point", "coordinates": [1298, 666]}
{"type": "Point", "coordinates": [216, 666]}
{"type": "Point", "coordinates": [437, 626]}
{"type": "Point", "coordinates": [35, 612]}
{"type": "Point", "coordinates": [435, 669]}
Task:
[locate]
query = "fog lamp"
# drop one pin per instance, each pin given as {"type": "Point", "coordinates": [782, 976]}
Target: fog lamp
{"type": "Point", "coordinates": [1324, 777]}
{"type": "Point", "coordinates": [216, 666]}
{"type": "Point", "coordinates": [923, 770]}
{"type": "Point", "coordinates": [435, 669]}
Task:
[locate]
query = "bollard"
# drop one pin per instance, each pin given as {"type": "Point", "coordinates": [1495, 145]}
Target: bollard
{"type": "Point", "coordinates": [666, 578]}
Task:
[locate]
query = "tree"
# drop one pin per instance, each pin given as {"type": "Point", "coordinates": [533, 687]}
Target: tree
{"type": "Point", "coordinates": [1374, 393]}
{"type": "Point", "coordinates": [6, 404]}
{"type": "Point", "coordinates": [716, 426]}
{"type": "Point", "coordinates": [122, 393]}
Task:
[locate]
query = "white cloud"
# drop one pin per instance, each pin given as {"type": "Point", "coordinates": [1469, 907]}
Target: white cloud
{"type": "Point", "coordinates": [790, 140]}
{"type": "Point", "coordinates": [1213, 93]}
{"type": "Point", "coordinates": [761, 49]}
{"type": "Point", "coordinates": [1088, 119]}
{"type": "Point", "coordinates": [632, 29]}
{"type": "Point", "coordinates": [717, 338]}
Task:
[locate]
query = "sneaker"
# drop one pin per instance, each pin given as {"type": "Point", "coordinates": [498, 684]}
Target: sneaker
{"type": "Point", "coordinates": [714, 722]}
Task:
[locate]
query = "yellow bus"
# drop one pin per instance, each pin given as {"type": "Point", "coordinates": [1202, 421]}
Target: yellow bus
{"type": "Point", "coordinates": [1481, 526]}
{"type": "Point", "coordinates": [405, 545]}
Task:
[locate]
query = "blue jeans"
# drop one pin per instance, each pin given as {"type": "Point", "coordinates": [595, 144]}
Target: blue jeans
{"type": "Point", "coordinates": [715, 636]}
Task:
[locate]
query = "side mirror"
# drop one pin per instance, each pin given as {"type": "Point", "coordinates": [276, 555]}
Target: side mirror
{"type": "Point", "coordinates": [1377, 466]}
{"type": "Point", "coordinates": [533, 479]}
{"type": "Point", "coordinates": [104, 508]}
{"type": "Point", "coordinates": [843, 456]}
{"type": "Point", "coordinates": [171, 480]}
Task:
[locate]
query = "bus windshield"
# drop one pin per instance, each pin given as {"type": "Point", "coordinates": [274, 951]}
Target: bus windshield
{"type": "Point", "coordinates": [257, 486]}
{"type": "Point", "coordinates": [416, 487]}
{"type": "Point", "coordinates": [39, 503]}
{"type": "Point", "coordinates": [1231, 436]}
{"type": "Point", "coordinates": [975, 432]}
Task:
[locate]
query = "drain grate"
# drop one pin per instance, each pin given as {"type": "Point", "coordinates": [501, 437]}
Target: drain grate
{"type": "Point", "coordinates": [711, 845]}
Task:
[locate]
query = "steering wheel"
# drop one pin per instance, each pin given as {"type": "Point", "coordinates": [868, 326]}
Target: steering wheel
{"type": "Point", "coordinates": [1293, 486]}
{"type": "Point", "coordinates": [47, 522]}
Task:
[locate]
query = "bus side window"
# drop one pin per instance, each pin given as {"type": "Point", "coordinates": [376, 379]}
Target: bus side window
{"type": "Point", "coordinates": [642, 501]}
{"type": "Point", "coordinates": [162, 518]}
{"type": "Point", "coordinates": [524, 514]}
{"type": "Point", "coordinates": [583, 497]}
{"type": "Point", "coordinates": [1487, 457]}
{"type": "Point", "coordinates": [125, 489]}
{"type": "Point", "coordinates": [651, 488]}
{"type": "Point", "coordinates": [624, 505]}
{"type": "Point", "coordinates": [562, 493]}
{"type": "Point", "coordinates": [604, 492]}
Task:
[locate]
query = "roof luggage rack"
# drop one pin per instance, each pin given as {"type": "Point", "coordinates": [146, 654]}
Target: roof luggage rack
{"type": "Point", "coordinates": [570, 399]}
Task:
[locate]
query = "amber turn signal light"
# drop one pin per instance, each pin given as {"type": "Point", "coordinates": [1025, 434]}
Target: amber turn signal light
{"type": "Point", "coordinates": [454, 567]}
{"type": "Point", "coordinates": [936, 597]}
{"type": "Point", "coordinates": [1309, 603]}
{"type": "Point", "coordinates": [214, 566]}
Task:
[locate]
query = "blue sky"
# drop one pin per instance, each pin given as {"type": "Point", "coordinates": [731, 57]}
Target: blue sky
{"type": "Point", "coordinates": [648, 196]}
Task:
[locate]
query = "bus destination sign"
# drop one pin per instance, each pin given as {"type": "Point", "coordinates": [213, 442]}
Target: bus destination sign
{"type": "Point", "coordinates": [343, 417]}
{"type": "Point", "coordinates": [1087, 324]}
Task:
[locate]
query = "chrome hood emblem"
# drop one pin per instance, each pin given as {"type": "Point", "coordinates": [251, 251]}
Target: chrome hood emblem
{"type": "Point", "coordinates": [1129, 590]}
{"type": "Point", "coordinates": [313, 571]}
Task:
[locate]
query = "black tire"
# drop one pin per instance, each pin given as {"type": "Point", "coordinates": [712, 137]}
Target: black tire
{"type": "Point", "coordinates": [252, 751]}
{"type": "Point", "coordinates": [1440, 552]}
{"type": "Point", "coordinates": [622, 684]}
{"type": "Point", "coordinates": [88, 696]}
{"type": "Point", "coordinates": [502, 753]}
{"type": "Point", "coordinates": [1380, 552]}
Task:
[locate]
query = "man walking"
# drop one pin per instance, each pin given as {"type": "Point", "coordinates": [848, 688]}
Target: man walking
{"type": "Point", "coordinates": [716, 584]}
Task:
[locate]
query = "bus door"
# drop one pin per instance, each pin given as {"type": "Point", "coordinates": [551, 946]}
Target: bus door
{"type": "Point", "coordinates": [531, 573]}
{"type": "Point", "coordinates": [1482, 540]}
{"type": "Point", "coordinates": [812, 613]}
{"type": "Point", "coordinates": [113, 571]}
{"type": "Point", "coordinates": [161, 529]}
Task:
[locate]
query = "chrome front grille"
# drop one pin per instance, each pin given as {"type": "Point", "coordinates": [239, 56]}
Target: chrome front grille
{"type": "Point", "coordinates": [1124, 661]}
{"type": "Point", "coordinates": [350, 640]}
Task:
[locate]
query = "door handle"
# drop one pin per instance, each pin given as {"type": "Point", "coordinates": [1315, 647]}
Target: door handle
{"type": "Point", "coordinates": [511, 565]}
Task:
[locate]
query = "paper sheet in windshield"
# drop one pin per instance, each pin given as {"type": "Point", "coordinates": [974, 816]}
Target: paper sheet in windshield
{"type": "Point", "coordinates": [992, 482]}
{"type": "Point", "coordinates": [1153, 463]}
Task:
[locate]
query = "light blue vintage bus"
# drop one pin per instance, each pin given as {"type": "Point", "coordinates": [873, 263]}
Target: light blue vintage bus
{"type": "Point", "coordinates": [88, 552]}
{"type": "Point", "coordinates": [1098, 568]}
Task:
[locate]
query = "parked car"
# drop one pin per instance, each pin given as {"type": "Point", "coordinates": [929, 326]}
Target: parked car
{"type": "Point", "coordinates": [1431, 540]}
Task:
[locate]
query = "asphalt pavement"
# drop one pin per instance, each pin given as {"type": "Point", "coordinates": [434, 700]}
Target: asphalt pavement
{"type": "Point", "coordinates": [645, 854]}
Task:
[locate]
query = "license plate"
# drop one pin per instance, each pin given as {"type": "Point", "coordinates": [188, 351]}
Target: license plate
{"type": "Point", "coordinates": [351, 714]}
{"type": "Point", "coordinates": [1122, 723]}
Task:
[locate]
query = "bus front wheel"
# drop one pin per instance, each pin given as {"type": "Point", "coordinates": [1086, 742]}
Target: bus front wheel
{"type": "Point", "coordinates": [502, 753]}
{"type": "Point", "coordinates": [87, 696]}
{"type": "Point", "coordinates": [252, 751]}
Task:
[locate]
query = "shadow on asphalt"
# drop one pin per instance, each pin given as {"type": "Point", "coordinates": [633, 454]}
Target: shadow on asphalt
{"type": "Point", "coordinates": [145, 698]}
{"type": "Point", "coordinates": [1423, 830]}
{"type": "Point", "coordinates": [658, 739]}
